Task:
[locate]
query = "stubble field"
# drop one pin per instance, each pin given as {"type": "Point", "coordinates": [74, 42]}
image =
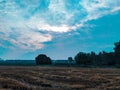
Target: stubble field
{"type": "Point", "coordinates": [58, 78]}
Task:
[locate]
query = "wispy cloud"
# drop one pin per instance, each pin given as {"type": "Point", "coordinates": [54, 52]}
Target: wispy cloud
{"type": "Point", "coordinates": [21, 21]}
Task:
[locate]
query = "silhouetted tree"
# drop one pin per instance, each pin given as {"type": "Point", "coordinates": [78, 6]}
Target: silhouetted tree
{"type": "Point", "coordinates": [103, 58]}
{"type": "Point", "coordinates": [110, 58]}
{"type": "Point", "coordinates": [70, 59]}
{"type": "Point", "coordinates": [100, 58]}
{"type": "Point", "coordinates": [82, 58]}
{"type": "Point", "coordinates": [42, 59]}
{"type": "Point", "coordinates": [117, 52]}
{"type": "Point", "coordinates": [93, 58]}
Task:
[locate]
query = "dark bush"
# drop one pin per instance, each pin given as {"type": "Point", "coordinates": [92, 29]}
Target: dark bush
{"type": "Point", "coordinates": [42, 59]}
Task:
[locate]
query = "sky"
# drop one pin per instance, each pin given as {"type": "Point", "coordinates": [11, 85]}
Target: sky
{"type": "Point", "coordinates": [57, 28]}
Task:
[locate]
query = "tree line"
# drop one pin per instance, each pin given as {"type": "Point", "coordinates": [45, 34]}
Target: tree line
{"type": "Point", "coordinates": [83, 58]}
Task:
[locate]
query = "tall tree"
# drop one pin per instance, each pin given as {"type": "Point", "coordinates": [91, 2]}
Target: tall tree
{"type": "Point", "coordinates": [117, 52]}
{"type": "Point", "coordinates": [93, 58]}
{"type": "Point", "coordinates": [82, 58]}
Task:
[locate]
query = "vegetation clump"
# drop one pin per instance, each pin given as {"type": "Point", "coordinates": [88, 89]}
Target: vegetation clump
{"type": "Point", "coordinates": [43, 59]}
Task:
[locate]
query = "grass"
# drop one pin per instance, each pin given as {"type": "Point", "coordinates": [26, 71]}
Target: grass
{"type": "Point", "coordinates": [58, 78]}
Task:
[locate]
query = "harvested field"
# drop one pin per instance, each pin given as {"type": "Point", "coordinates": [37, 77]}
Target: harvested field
{"type": "Point", "coordinates": [58, 78]}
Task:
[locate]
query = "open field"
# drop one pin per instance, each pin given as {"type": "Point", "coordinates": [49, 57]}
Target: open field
{"type": "Point", "coordinates": [58, 78]}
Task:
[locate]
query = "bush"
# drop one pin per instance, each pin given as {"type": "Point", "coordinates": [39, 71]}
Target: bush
{"type": "Point", "coordinates": [43, 59]}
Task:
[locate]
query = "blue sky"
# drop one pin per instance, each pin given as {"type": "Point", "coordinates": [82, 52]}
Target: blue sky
{"type": "Point", "coordinates": [58, 28]}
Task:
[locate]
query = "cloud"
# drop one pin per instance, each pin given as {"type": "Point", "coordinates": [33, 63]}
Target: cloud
{"type": "Point", "coordinates": [23, 22]}
{"type": "Point", "coordinates": [27, 39]}
{"type": "Point", "coordinates": [60, 17]}
{"type": "Point", "coordinates": [116, 9]}
{"type": "Point", "coordinates": [99, 8]}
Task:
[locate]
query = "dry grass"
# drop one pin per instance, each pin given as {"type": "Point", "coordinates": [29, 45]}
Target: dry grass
{"type": "Point", "coordinates": [59, 78]}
